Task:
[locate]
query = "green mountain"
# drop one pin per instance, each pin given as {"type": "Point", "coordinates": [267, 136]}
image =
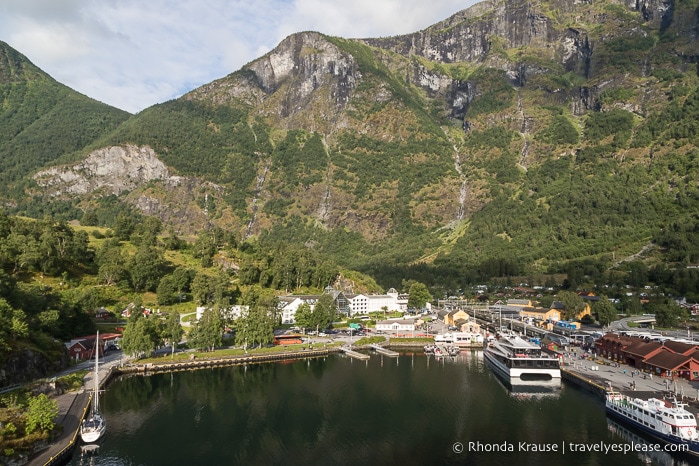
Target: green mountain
{"type": "Point", "coordinates": [42, 120]}
{"type": "Point", "coordinates": [513, 138]}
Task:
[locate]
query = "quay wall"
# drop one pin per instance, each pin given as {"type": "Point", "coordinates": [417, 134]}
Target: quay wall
{"type": "Point", "coordinates": [204, 363]}
{"type": "Point", "coordinates": [585, 383]}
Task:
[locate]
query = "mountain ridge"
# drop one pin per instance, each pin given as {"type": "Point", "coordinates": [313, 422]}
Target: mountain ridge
{"type": "Point", "coordinates": [416, 143]}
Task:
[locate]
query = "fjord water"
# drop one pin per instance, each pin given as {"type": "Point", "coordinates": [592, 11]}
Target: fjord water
{"type": "Point", "coordinates": [413, 410]}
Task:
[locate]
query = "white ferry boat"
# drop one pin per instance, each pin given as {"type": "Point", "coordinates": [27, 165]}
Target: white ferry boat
{"type": "Point", "coordinates": [667, 421]}
{"type": "Point", "coordinates": [518, 360]}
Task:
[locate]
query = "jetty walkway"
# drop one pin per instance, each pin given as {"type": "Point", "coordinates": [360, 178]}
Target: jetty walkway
{"type": "Point", "coordinates": [385, 351]}
{"type": "Point", "coordinates": [354, 354]}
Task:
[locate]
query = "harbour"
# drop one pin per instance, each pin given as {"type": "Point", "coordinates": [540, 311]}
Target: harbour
{"type": "Point", "coordinates": [580, 376]}
{"type": "Point", "coordinates": [331, 411]}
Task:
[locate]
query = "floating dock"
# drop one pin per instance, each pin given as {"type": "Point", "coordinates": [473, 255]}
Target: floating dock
{"type": "Point", "coordinates": [354, 354]}
{"type": "Point", "coordinates": [385, 351]}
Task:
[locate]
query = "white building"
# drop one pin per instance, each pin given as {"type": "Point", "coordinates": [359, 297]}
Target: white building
{"type": "Point", "coordinates": [403, 325]}
{"type": "Point", "coordinates": [288, 305]}
{"type": "Point", "coordinates": [232, 312]}
{"type": "Point", "coordinates": [348, 304]}
{"type": "Point", "coordinates": [361, 304]}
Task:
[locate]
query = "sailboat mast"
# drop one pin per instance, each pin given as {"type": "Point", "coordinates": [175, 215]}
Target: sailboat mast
{"type": "Point", "coordinates": [97, 373]}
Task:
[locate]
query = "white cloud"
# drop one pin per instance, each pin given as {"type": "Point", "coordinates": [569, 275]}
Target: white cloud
{"type": "Point", "coordinates": [135, 53]}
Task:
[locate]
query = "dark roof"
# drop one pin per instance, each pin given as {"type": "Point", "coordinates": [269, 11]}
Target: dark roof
{"type": "Point", "coordinates": [679, 347]}
{"type": "Point", "coordinates": [641, 348]}
{"type": "Point", "coordinates": [557, 305]}
{"type": "Point", "coordinates": [515, 302]}
{"type": "Point", "coordinates": [668, 360]}
{"type": "Point", "coordinates": [613, 337]}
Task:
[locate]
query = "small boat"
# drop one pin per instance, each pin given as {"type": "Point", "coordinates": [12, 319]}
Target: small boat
{"type": "Point", "coordinates": [94, 426]}
{"type": "Point", "coordinates": [667, 421]}
{"type": "Point", "coordinates": [514, 358]}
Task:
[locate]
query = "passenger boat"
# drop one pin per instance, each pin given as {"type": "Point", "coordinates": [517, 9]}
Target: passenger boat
{"type": "Point", "coordinates": [664, 420]}
{"type": "Point", "coordinates": [515, 359]}
{"type": "Point", "coordinates": [94, 426]}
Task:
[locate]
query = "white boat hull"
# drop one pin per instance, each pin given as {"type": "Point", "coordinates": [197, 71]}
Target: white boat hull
{"type": "Point", "coordinates": [515, 373]}
{"type": "Point", "coordinates": [92, 430]}
{"type": "Point", "coordinates": [94, 426]}
{"type": "Point", "coordinates": [669, 424]}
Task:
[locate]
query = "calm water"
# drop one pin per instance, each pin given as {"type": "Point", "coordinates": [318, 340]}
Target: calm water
{"type": "Point", "coordinates": [336, 410]}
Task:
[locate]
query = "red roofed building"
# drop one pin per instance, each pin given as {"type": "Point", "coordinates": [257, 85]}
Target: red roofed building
{"type": "Point", "coordinates": [612, 346]}
{"type": "Point", "coordinates": [637, 352]}
{"type": "Point", "coordinates": [669, 364]}
{"type": "Point", "coordinates": [83, 348]}
{"type": "Point", "coordinates": [679, 347]}
{"type": "Point", "coordinates": [668, 359]}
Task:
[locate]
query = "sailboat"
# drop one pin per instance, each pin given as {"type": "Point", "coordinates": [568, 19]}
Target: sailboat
{"type": "Point", "coordinates": [94, 426]}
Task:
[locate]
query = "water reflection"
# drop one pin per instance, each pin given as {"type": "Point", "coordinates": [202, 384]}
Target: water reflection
{"type": "Point", "coordinates": [337, 410]}
{"type": "Point", "coordinates": [647, 455]}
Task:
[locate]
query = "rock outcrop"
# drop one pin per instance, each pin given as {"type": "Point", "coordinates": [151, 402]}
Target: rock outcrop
{"type": "Point", "coordinates": [111, 170]}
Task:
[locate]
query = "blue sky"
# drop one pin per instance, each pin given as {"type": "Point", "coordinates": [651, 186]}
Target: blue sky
{"type": "Point", "coordinates": [135, 53]}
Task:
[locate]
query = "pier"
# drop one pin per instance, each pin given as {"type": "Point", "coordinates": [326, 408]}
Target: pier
{"type": "Point", "coordinates": [354, 354]}
{"type": "Point", "coordinates": [385, 351]}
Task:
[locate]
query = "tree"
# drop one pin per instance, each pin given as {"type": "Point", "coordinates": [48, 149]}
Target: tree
{"type": "Point", "coordinates": [111, 263]}
{"type": "Point", "coordinates": [173, 330]}
{"type": "Point", "coordinates": [324, 312]}
{"type": "Point", "coordinates": [667, 313]}
{"type": "Point", "coordinates": [20, 327]}
{"type": "Point", "coordinates": [304, 316]}
{"type": "Point", "coordinates": [182, 279]}
{"type": "Point", "coordinates": [418, 296]}
{"type": "Point", "coordinates": [256, 325]}
{"type": "Point", "coordinates": [41, 413]}
{"type": "Point", "coordinates": [605, 311]}
{"type": "Point", "coordinates": [572, 303]}
{"type": "Point", "coordinates": [209, 288]}
{"type": "Point", "coordinates": [204, 248]}
{"type": "Point", "coordinates": [145, 268]}
{"type": "Point", "coordinates": [148, 231]}
{"type": "Point", "coordinates": [140, 337]}
{"type": "Point", "coordinates": [123, 226]}
{"type": "Point", "coordinates": [208, 332]}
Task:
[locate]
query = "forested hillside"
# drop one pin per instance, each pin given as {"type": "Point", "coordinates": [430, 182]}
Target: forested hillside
{"type": "Point", "coordinates": [514, 138]}
{"type": "Point", "coordinates": [42, 120]}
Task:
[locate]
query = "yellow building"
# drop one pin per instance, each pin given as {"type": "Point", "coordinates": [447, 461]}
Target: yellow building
{"type": "Point", "coordinates": [453, 316]}
{"type": "Point", "coordinates": [561, 308]}
{"type": "Point", "coordinates": [540, 314]}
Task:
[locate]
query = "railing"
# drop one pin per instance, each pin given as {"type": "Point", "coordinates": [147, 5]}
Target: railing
{"type": "Point", "coordinates": [11, 387]}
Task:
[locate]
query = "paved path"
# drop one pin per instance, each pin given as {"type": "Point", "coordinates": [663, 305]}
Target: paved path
{"type": "Point", "coordinates": [71, 408]}
{"type": "Point", "coordinates": [624, 376]}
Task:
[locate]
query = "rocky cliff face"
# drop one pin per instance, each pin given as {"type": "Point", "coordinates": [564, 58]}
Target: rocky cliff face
{"type": "Point", "coordinates": [376, 134]}
{"type": "Point", "coordinates": [305, 77]}
{"type": "Point", "coordinates": [131, 170]}
{"type": "Point", "coordinates": [111, 170]}
{"type": "Point", "coordinates": [24, 365]}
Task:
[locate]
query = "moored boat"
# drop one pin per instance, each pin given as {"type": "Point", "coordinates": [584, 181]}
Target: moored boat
{"type": "Point", "coordinates": [516, 359]}
{"type": "Point", "coordinates": [94, 426]}
{"type": "Point", "coordinates": [668, 421]}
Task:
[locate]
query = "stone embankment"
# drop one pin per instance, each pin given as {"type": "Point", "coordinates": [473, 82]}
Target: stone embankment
{"type": "Point", "coordinates": [202, 363]}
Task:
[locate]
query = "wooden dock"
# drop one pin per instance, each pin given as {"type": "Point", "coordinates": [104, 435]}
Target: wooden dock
{"type": "Point", "coordinates": [385, 351]}
{"type": "Point", "coordinates": [354, 354]}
